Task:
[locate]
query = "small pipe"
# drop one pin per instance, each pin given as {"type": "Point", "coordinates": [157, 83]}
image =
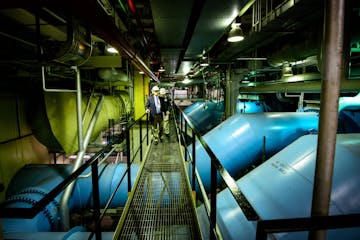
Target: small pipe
{"type": "Point", "coordinates": [64, 208]}
{"type": "Point", "coordinates": [79, 109]}
{"type": "Point", "coordinates": [51, 90]}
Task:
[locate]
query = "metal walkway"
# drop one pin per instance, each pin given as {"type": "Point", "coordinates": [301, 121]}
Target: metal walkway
{"type": "Point", "coordinates": [161, 204]}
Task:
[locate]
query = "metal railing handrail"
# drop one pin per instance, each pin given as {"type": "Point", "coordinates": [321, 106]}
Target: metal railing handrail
{"type": "Point", "coordinates": [216, 166]}
{"type": "Point", "coordinates": [31, 212]}
{"type": "Point", "coordinates": [37, 207]}
{"type": "Point", "coordinates": [265, 227]}
{"type": "Point", "coordinates": [127, 172]}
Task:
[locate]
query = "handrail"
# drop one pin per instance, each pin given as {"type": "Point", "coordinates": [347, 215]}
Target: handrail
{"type": "Point", "coordinates": [216, 166]}
{"type": "Point", "coordinates": [37, 207]}
{"type": "Point", "coordinates": [265, 227]}
{"type": "Point", "coordinates": [126, 130]}
{"type": "Point", "coordinates": [31, 212]}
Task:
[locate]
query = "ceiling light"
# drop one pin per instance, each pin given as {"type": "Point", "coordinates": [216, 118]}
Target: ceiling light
{"type": "Point", "coordinates": [161, 69]}
{"type": "Point", "coordinates": [111, 49]}
{"type": "Point", "coordinates": [186, 80]}
{"type": "Point", "coordinates": [236, 34]}
{"type": "Point", "coordinates": [287, 71]}
{"type": "Point", "coordinates": [204, 64]}
{"type": "Point", "coordinates": [141, 72]}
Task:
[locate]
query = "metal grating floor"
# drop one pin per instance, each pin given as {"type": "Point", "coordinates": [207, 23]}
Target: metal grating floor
{"type": "Point", "coordinates": [162, 205]}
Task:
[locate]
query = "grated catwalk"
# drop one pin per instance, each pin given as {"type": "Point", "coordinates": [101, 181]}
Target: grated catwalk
{"type": "Point", "coordinates": [162, 205]}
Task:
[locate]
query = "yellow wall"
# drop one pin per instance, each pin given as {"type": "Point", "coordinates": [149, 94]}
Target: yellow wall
{"type": "Point", "coordinates": [141, 91]}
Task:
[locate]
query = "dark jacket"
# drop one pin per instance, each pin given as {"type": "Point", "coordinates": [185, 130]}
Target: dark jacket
{"type": "Point", "coordinates": [150, 104]}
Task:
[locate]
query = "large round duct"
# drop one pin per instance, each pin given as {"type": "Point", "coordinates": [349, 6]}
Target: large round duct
{"type": "Point", "coordinates": [238, 142]}
{"type": "Point", "coordinates": [33, 182]}
{"type": "Point", "coordinates": [60, 117]}
{"type": "Point", "coordinates": [250, 106]}
{"type": "Point", "coordinates": [74, 51]}
{"type": "Point", "coordinates": [112, 75]}
{"type": "Point", "coordinates": [295, 49]}
{"type": "Point", "coordinates": [205, 115]}
{"type": "Point", "coordinates": [282, 188]}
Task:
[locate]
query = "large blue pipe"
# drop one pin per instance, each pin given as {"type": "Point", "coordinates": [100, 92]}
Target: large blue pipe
{"type": "Point", "coordinates": [205, 115]}
{"type": "Point", "coordinates": [250, 106]}
{"type": "Point", "coordinates": [282, 188]}
{"type": "Point", "coordinates": [32, 182]}
{"type": "Point", "coordinates": [238, 141]}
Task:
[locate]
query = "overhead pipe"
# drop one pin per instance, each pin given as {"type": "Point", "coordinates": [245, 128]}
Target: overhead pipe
{"type": "Point", "coordinates": [138, 20]}
{"type": "Point", "coordinates": [103, 24]}
{"type": "Point", "coordinates": [307, 87]}
{"type": "Point", "coordinates": [64, 208]}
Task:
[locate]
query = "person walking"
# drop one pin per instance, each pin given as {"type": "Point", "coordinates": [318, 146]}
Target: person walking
{"type": "Point", "coordinates": [154, 106]}
{"type": "Point", "coordinates": [167, 107]}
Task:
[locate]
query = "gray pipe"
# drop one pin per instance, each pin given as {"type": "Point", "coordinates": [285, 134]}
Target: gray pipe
{"type": "Point", "coordinates": [332, 72]}
{"type": "Point", "coordinates": [64, 208]}
{"type": "Point", "coordinates": [79, 109]}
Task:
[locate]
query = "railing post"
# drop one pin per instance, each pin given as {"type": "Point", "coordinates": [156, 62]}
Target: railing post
{"type": "Point", "coordinates": [194, 160]}
{"type": "Point", "coordinates": [147, 129]}
{"type": "Point", "coordinates": [140, 142]}
{"type": "Point", "coordinates": [213, 200]}
{"type": "Point", "coordinates": [96, 198]}
{"type": "Point", "coordinates": [128, 157]}
{"type": "Point", "coordinates": [260, 232]}
{"type": "Point", "coordinates": [181, 122]}
{"type": "Point", "coordinates": [186, 152]}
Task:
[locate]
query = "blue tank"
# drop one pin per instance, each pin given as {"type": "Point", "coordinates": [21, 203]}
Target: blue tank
{"type": "Point", "coordinates": [282, 188]}
{"type": "Point", "coordinates": [205, 115]}
{"type": "Point", "coordinates": [250, 106]}
{"type": "Point", "coordinates": [33, 182]}
{"type": "Point", "coordinates": [238, 141]}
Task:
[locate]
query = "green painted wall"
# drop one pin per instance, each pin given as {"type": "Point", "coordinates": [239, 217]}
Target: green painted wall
{"type": "Point", "coordinates": [141, 92]}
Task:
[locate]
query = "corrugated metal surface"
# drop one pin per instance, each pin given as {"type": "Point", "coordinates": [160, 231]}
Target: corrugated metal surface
{"type": "Point", "coordinates": [162, 205]}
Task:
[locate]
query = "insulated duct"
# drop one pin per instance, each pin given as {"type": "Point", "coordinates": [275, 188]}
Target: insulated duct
{"type": "Point", "coordinates": [241, 140]}
{"type": "Point", "coordinates": [33, 182]}
{"type": "Point", "coordinates": [291, 174]}
{"type": "Point", "coordinates": [75, 51]}
{"type": "Point", "coordinates": [53, 118]}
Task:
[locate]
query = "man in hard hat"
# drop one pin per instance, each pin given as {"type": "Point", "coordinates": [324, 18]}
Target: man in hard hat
{"type": "Point", "coordinates": [154, 106]}
{"type": "Point", "coordinates": [167, 106]}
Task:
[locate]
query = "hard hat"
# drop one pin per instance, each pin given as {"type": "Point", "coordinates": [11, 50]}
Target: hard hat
{"type": "Point", "coordinates": [155, 88]}
{"type": "Point", "coordinates": [162, 91]}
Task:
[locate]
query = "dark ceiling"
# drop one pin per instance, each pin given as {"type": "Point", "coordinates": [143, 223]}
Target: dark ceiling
{"type": "Point", "coordinates": [173, 34]}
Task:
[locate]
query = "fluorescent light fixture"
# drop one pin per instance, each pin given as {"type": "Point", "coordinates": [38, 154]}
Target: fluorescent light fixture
{"type": "Point", "coordinates": [204, 64]}
{"type": "Point", "coordinates": [111, 50]}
